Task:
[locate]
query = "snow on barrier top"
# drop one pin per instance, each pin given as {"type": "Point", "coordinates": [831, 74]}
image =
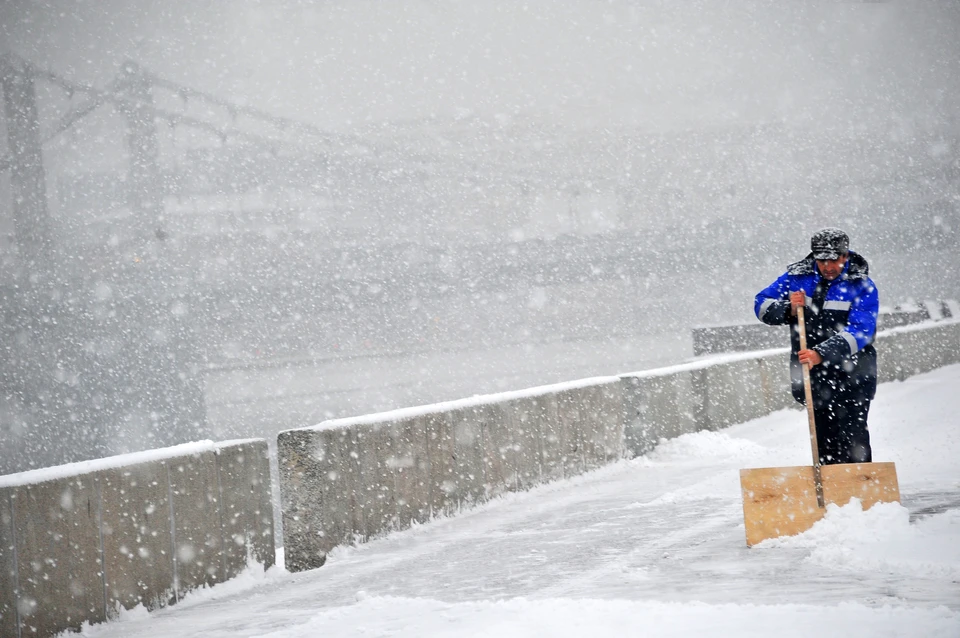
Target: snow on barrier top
{"type": "Point", "coordinates": [457, 404]}
{"type": "Point", "coordinates": [705, 362]}
{"type": "Point", "coordinates": [42, 475]}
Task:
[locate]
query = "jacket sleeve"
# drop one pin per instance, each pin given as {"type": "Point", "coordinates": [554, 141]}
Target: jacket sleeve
{"type": "Point", "coordinates": [772, 304]}
{"type": "Point", "coordinates": [860, 330]}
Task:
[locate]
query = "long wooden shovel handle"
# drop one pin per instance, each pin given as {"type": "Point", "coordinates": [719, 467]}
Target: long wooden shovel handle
{"type": "Point", "coordinates": [808, 394]}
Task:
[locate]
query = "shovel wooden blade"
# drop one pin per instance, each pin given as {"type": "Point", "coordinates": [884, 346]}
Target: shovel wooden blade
{"type": "Point", "coordinates": [782, 501]}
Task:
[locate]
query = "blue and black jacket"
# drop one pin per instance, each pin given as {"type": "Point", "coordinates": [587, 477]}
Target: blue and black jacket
{"type": "Point", "coordinates": [841, 323]}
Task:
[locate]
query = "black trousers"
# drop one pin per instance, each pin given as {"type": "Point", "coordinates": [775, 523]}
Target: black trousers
{"type": "Point", "coordinates": [841, 419]}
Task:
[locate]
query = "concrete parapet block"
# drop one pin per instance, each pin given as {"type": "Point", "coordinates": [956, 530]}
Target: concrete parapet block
{"type": "Point", "coordinates": [411, 465]}
{"type": "Point", "coordinates": [498, 475]}
{"type": "Point", "coordinates": [385, 456]}
{"type": "Point", "coordinates": [591, 427]}
{"type": "Point", "coordinates": [951, 340]}
{"type": "Point", "coordinates": [440, 454]}
{"type": "Point", "coordinates": [657, 407]}
{"type": "Point", "coordinates": [352, 482]}
{"type": "Point", "coordinates": [699, 394]}
{"type": "Point", "coordinates": [602, 423]}
{"type": "Point", "coordinates": [530, 416]}
{"type": "Point", "coordinates": [733, 393]}
{"type": "Point", "coordinates": [377, 500]}
{"type": "Point", "coordinates": [466, 469]}
{"type": "Point", "coordinates": [889, 348]}
{"type": "Point", "coordinates": [522, 417]}
{"type": "Point", "coordinates": [570, 434]}
{"type": "Point", "coordinates": [195, 504]}
{"type": "Point", "coordinates": [611, 415]}
{"type": "Point", "coordinates": [512, 445]}
{"type": "Point", "coordinates": [302, 464]}
{"type": "Point", "coordinates": [552, 438]}
{"type": "Point", "coordinates": [315, 516]}
{"type": "Point", "coordinates": [137, 537]}
{"type": "Point", "coordinates": [775, 381]}
{"type": "Point", "coordinates": [939, 346]}
{"type": "Point", "coordinates": [917, 355]}
{"type": "Point", "coordinates": [904, 352]}
{"type": "Point", "coordinates": [952, 308]}
{"type": "Point", "coordinates": [246, 509]}
{"type": "Point", "coordinates": [8, 566]}
{"type": "Point", "coordinates": [82, 541]}
{"type": "Point", "coordinates": [56, 528]}
{"type": "Point", "coordinates": [455, 449]}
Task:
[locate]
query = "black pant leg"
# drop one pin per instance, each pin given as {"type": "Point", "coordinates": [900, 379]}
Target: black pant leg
{"type": "Point", "coordinates": [825, 390]}
{"type": "Point", "coordinates": [842, 433]}
{"type": "Point", "coordinates": [853, 434]}
{"type": "Point", "coordinates": [828, 433]}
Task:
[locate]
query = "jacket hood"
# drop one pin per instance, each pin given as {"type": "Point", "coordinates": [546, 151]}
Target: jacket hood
{"type": "Point", "coordinates": [856, 268]}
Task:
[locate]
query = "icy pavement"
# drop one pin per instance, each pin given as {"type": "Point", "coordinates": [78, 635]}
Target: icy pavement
{"type": "Point", "coordinates": [654, 546]}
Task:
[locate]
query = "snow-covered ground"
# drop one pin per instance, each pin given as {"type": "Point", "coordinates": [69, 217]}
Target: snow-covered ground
{"type": "Point", "coordinates": [653, 546]}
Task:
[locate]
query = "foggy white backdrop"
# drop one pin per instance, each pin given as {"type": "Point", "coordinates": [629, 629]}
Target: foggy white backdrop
{"type": "Point", "coordinates": [506, 194]}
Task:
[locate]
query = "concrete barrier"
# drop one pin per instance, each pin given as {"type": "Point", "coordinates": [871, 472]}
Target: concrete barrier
{"type": "Point", "coordinates": [246, 506]}
{"type": "Point", "coordinates": [438, 443]}
{"type": "Point", "coordinates": [733, 388]}
{"type": "Point", "coordinates": [757, 336]}
{"type": "Point", "coordinates": [775, 380]}
{"type": "Point", "coordinates": [310, 462]}
{"type": "Point", "coordinates": [377, 500]}
{"type": "Point", "coordinates": [569, 437]}
{"type": "Point", "coordinates": [703, 395]}
{"type": "Point", "coordinates": [137, 536]}
{"type": "Point", "coordinates": [456, 456]}
{"type": "Point", "coordinates": [9, 622]}
{"type": "Point", "coordinates": [56, 529]}
{"type": "Point", "coordinates": [353, 479]}
{"type": "Point", "coordinates": [511, 446]}
{"type": "Point", "coordinates": [903, 352]}
{"type": "Point", "coordinates": [411, 474]}
{"type": "Point", "coordinates": [732, 393]}
{"type": "Point", "coordinates": [79, 542]}
{"type": "Point", "coordinates": [657, 405]}
{"type": "Point", "coordinates": [604, 440]}
{"type": "Point", "coordinates": [195, 513]}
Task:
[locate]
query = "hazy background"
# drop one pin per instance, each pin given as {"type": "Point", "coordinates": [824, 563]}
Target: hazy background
{"type": "Point", "coordinates": [492, 195]}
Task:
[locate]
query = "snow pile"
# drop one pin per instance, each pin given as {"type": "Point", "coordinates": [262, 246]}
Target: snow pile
{"type": "Point", "coordinates": [881, 540]}
{"type": "Point", "coordinates": [576, 618]}
{"type": "Point", "coordinates": [254, 575]}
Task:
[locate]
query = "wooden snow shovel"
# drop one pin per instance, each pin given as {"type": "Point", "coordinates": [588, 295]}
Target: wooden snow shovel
{"type": "Point", "coordinates": [784, 501]}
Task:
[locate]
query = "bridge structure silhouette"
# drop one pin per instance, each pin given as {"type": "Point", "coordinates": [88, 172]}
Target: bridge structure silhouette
{"type": "Point", "coordinates": [70, 398]}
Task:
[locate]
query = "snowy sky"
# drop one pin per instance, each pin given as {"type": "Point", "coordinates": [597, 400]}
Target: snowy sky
{"type": "Point", "coordinates": [653, 547]}
{"type": "Point", "coordinates": [580, 63]}
{"type": "Point", "coordinates": [542, 69]}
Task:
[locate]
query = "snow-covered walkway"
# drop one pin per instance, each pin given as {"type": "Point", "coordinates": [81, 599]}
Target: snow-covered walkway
{"type": "Point", "coordinates": [653, 546]}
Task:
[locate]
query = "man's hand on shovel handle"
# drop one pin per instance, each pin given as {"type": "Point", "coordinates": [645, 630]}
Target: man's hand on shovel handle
{"type": "Point", "coordinates": [810, 357]}
{"type": "Point", "coordinates": [797, 299]}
